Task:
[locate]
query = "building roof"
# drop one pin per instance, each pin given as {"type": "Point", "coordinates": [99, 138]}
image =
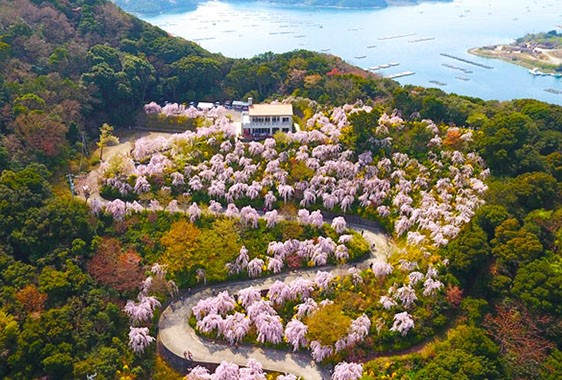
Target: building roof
{"type": "Point", "coordinates": [271, 110]}
{"type": "Point", "coordinates": [205, 105]}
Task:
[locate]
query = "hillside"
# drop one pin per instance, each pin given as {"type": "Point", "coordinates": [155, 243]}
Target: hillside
{"type": "Point", "coordinates": [81, 63]}
{"type": "Point", "coordinates": [468, 193]}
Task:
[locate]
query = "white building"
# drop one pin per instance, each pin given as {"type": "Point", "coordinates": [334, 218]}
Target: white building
{"type": "Point", "coordinates": [264, 120]}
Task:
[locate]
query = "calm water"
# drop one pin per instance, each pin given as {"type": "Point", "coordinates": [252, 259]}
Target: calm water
{"type": "Point", "coordinates": [413, 36]}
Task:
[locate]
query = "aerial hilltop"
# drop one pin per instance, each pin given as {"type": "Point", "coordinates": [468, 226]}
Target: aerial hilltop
{"type": "Point", "coordinates": [540, 52]}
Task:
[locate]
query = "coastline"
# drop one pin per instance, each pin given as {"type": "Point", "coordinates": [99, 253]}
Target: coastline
{"type": "Point", "coordinates": [167, 6]}
{"type": "Point", "coordinates": [519, 59]}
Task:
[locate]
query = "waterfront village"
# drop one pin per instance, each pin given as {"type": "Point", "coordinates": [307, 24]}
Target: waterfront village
{"type": "Point", "coordinates": [540, 53]}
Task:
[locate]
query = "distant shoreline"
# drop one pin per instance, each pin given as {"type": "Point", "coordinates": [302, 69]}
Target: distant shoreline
{"type": "Point", "coordinates": [505, 53]}
{"type": "Point", "coordinates": [160, 7]}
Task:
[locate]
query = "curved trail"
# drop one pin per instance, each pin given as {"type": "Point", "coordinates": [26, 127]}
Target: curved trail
{"type": "Point", "coordinates": [177, 336]}
{"type": "Point", "coordinates": [174, 332]}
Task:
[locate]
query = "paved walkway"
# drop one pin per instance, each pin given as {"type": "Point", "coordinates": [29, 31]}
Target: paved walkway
{"type": "Point", "coordinates": [177, 336]}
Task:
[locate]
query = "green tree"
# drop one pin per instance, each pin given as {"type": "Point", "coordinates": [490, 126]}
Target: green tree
{"type": "Point", "coordinates": [9, 332]}
{"type": "Point", "coordinates": [538, 284]}
{"type": "Point", "coordinates": [198, 76]}
{"type": "Point", "coordinates": [140, 74]}
{"type": "Point", "coordinates": [466, 354]}
{"type": "Point", "coordinates": [468, 252]}
{"type": "Point", "coordinates": [536, 190]}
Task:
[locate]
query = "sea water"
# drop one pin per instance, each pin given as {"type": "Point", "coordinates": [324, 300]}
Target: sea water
{"type": "Point", "coordinates": [413, 36]}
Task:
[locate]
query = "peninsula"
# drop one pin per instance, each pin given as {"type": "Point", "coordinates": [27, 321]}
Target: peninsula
{"type": "Point", "coordinates": [541, 52]}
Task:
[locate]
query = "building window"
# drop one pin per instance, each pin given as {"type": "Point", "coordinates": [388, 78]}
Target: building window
{"type": "Point", "coordinates": [261, 131]}
{"type": "Point", "coordinates": [285, 130]}
{"type": "Point", "coordinates": [286, 119]}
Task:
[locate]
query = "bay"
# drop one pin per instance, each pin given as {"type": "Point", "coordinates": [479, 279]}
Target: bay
{"type": "Point", "coordinates": [412, 36]}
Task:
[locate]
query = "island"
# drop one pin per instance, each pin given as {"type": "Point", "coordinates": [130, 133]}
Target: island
{"type": "Point", "coordinates": [541, 53]}
{"type": "Point", "coordinates": [166, 6]}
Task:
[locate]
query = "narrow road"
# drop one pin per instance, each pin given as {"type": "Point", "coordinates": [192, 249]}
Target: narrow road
{"type": "Point", "coordinates": [177, 336]}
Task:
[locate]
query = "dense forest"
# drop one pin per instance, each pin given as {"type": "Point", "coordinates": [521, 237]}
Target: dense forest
{"type": "Point", "coordinates": [68, 66]}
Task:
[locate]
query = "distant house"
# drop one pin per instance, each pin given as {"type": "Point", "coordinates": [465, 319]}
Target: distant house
{"type": "Point", "coordinates": [239, 105]}
{"type": "Point", "coordinates": [264, 120]}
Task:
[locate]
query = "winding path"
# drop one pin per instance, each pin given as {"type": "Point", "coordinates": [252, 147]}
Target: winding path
{"type": "Point", "coordinates": [177, 336]}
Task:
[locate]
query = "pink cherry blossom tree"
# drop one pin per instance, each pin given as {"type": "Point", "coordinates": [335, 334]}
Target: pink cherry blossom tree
{"type": "Point", "coordinates": [387, 302]}
{"type": "Point", "coordinates": [198, 373]}
{"type": "Point", "coordinates": [406, 294]}
{"type": "Point", "coordinates": [339, 224]}
{"type": "Point", "coordinates": [271, 218]}
{"type": "Point", "coordinates": [316, 219]}
{"type": "Point", "coordinates": [194, 212]}
{"type": "Point", "coordinates": [211, 322]}
{"type": "Point", "coordinates": [308, 307]}
{"type": "Point", "coordinates": [255, 267]}
{"type": "Point", "coordinates": [322, 279]}
{"type": "Point", "coordinates": [235, 327]}
{"type": "Point", "coordinates": [403, 323]}
{"type": "Point", "coordinates": [295, 334]}
{"type": "Point", "coordinates": [269, 328]}
{"type": "Point", "coordinates": [139, 339]}
{"type": "Point", "coordinates": [347, 371]}
{"type": "Point", "coordinates": [226, 371]}
{"type": "Point", "coordinates": [252, 371]}
{"type": "Point", "coordinates": [381, 268]}
{"type": "Point", "coordinates": [248, 296]}
{"type": "Point", "coordinates": [320, 352]}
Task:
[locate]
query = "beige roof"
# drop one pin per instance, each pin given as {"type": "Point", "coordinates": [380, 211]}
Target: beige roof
{"type": "Point", "coordinates": [271, 110]}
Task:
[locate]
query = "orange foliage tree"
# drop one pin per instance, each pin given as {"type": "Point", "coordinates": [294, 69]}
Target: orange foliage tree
{"type": "Point", "coordinates": [117, 269]}
{"type": "Point", "coordinates": [31, 299]}
{"type": "Point", "coordinates": [520, 336]}
{"type": "Point", "coordinates": [44, 134]}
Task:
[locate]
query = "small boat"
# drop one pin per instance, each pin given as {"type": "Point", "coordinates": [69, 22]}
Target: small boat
{"type": "Point", "coordinates": [536, 72]}
{"type": "Point", "coordinates": [360, 57]}
{"type": "Point", "coordinates": [371, 46]}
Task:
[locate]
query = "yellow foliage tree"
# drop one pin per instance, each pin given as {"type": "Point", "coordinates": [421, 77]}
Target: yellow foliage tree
{"type": "Point", "coordinates": [180, 243]}
{"type": "Point", "coordinates": [218, 246]}
{"type": "Point", "coordinates": [327, 325]}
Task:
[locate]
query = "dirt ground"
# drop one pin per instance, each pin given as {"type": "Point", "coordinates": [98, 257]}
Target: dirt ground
{"type": "Point", "coordinates": [127, 140]}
